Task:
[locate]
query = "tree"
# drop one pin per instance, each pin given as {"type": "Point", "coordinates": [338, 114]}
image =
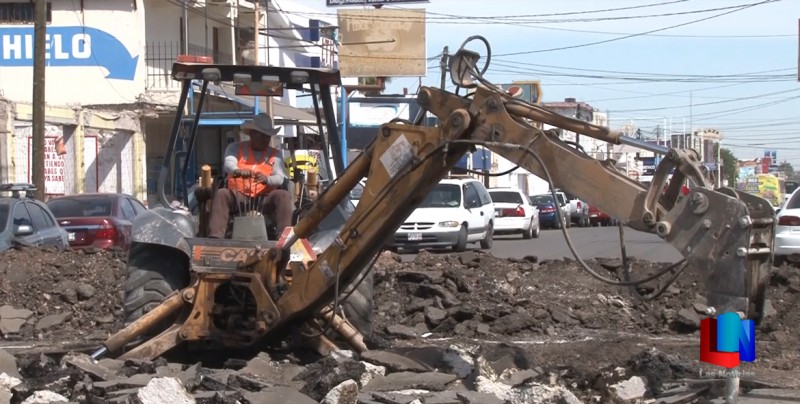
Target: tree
{"type": "Point", "coordinates": [730, 165]}
{"type": "Point", "coordinates": [787, 168]}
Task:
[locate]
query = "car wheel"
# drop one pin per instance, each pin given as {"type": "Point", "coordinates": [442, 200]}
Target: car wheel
{"type": "Point", "coordinates": [461, 244]}
{"type": "Point", "coordinates": [537, 231]}
{"type": "Point", "coordinates": [487, 242]}
{"type": "Point", "coordinates": [152, 274]}
{"type": "Point", "coordinates": [528, 233]}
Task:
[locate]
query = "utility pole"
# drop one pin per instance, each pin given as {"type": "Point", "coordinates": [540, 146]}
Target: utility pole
{"type": "Point", "coordinates": [266, 29]}
{"type": "Point", "coordinates": [37, 158]}
{"type": "Point", "coordinates": [443, 65]}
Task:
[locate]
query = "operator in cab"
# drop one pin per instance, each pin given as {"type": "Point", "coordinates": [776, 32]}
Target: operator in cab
{"type": "Point", "coordinates": [256, 174]}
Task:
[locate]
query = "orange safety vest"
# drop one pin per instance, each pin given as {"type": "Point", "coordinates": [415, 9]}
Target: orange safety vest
{"type": "Point", "coordinates": [246, 160]}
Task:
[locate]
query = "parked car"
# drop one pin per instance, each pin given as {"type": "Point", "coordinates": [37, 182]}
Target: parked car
{"type": "Point", "coordinates": [578, 211]}
{"type": "Point", "coordinates": [599, 218]}
{"type": "Point", "coordinates": [547, 207]}
{"type": "Point", "coordinates": [27, 221]}
{"type": "Point", "coordinates": [514, 213]}
{"type": "Point", "coordinates": [787, 232]}
{"type": "Point", "coordinates": [100, 220]}
{"type": "Point", "coordinates": [455, 213]}
{"type": "Point", "coordinates": [563, 203]}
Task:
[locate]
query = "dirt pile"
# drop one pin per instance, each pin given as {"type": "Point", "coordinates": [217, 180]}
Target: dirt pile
{"type": "Point", "coordinates": [47, 294]}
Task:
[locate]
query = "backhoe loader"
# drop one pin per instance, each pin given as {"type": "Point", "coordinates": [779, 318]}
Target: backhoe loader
{"type": "Point", "coordinates": [226, 294]}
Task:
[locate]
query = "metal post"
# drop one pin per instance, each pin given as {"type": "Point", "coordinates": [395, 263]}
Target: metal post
{"type": "Point", "coordinates": [344, 127]}
{"type": "Point", "coordinates": [39, 69]}
{"type": "Point", "coordinates": [256, 50]}
{"type": "Point", "coordinates": [266, 28]}
{"type": "Point", "coordinates": [185, 27]}
{"type": "Point", "coordinates": [205, 18]}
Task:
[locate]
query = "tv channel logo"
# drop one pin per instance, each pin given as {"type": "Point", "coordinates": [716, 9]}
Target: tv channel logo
{"type": "Point", "coordinates": [727, 340]}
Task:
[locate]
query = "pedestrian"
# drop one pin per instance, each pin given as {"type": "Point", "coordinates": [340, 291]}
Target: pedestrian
{"type": "Point", "coordinates": [256, 177]}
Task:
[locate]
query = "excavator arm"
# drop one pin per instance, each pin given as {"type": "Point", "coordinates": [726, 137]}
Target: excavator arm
{"type": "Point", "coordinates": [724, 235]}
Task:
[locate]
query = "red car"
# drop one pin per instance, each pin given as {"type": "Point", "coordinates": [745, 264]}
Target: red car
{"type": "Point", "coordinates": [598, 217]}
{"type": "Point", "coordinates": [97, 220]}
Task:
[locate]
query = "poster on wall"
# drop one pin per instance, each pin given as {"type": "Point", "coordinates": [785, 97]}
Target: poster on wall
{"type": "Point", "coordinates": [54, 164]}
{"type": "Point", "coordinates": [54, 167]}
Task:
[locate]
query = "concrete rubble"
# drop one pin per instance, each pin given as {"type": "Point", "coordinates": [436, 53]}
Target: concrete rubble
{"type": "Point", "coordinates": [449, 328]}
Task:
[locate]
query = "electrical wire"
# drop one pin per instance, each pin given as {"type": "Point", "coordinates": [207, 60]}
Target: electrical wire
{"type": "Point", "coordinates": [740, 8]}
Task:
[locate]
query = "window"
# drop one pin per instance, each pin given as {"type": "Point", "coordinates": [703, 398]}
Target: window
{"type": "Point", "coordinates": [794, 203]}
{"type": "Point", "coordinates": [471, 197]}
{"type": "Point", "coordinates": [21, 216]}
{"type": "Point", "coordinates": [21, 12]}
{"type": "Point", "coordinates": [80, 207]}
{"type": "Point", "coordinates": [443, 196]}
{"type": "Point", "coordinates": [127, 210]}
{"type": "Point", "coordinates": [483, 194]}
{"type": "Point", "coordinates": [507, 197]}
{"type": "Point", "coordinates": [39, 216]}
{"type": "Point", "coordinates": [541, 199]}
{"type": "Point", "coordinates": [137, 206]}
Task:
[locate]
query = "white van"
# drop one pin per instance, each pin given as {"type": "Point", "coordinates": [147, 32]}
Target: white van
{"type": "Point", "coordinates": [455, 213]}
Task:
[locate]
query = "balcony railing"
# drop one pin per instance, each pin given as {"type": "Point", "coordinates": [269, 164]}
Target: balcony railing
{"type": "Point", "coordinates": [160, 56]}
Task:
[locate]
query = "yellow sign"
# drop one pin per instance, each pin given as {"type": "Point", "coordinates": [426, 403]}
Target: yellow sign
{"type": "Point", "coordinates": [769, 188]}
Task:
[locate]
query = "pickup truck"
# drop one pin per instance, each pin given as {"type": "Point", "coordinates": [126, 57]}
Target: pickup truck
{"type": "Point", "coordinates": [578, 211]}
{"type": "Point", "coordinates": [563, 202]}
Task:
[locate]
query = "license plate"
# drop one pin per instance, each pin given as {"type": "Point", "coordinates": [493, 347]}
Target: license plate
{"type": "Point", "coordinates": [415, 236]}
{"type": "Point", "coordinates": [71, 236]}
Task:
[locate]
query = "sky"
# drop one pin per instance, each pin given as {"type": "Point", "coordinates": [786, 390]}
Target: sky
{"type": "Point", "coordinates": [730, 65]}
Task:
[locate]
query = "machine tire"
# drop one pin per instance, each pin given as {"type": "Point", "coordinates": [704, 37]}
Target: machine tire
{"type": "Point", "coordinates": [487, 242]}
{"type": "Point", "coordinates": [537, 231]}
{"type": "Point", "coordinates": [461, 245]}
{"type": "Point", "coordinates": [359, 306]}
{"type": "Point", "coordinates": [152, 274]}
{"type": "Point", "coordinates": [528, 233]}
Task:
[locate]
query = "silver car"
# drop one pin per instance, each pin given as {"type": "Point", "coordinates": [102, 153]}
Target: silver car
{"type": "Point", "coordinates": [26, 221]}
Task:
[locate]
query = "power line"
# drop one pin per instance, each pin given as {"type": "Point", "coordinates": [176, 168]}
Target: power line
{"type": "Point", "coordinates": [740, 8]}
{"type": "Point", "coordinates": [759, 96]}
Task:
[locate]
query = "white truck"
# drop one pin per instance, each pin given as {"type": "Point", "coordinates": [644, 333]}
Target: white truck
{"type": "Point", "coordinates": [578, 211]}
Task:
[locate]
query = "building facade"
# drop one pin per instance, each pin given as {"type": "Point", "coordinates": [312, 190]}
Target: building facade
{"type": "Point", "coordinates": [109, 94]}
{"type": "Point", "coordinates": [94, 65]}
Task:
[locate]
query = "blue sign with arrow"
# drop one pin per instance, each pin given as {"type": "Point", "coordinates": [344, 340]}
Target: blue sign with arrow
{"type": "Point", "coordinates": [69, 47]}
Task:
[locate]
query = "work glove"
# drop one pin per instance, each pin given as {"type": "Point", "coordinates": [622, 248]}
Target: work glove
{"type": "Point", "coordinates": [242, 173]}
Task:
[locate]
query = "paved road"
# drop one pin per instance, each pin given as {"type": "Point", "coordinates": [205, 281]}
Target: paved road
{"type": "Point", "coordinates": [589, 242]}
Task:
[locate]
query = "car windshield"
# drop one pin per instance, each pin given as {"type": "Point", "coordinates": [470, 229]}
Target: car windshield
{"type": "Point", "coordinates": [80, 207]}
{"type": "Point", "coordinates": [443, 196]}
{"type": "Point", "coordinates": [506, 197]}
{"type": "Point", "coordinates": [3, 217]}
{"type": "Point", "coordinates": [540, 199]}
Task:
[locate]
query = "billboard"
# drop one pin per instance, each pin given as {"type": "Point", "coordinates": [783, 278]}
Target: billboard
{"type": "Point", "coordinates": [337, 3]}
{"type": "Point", "coordinates": [382, 43]}
{"type": "Point", "coordinates": [531, 90]}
